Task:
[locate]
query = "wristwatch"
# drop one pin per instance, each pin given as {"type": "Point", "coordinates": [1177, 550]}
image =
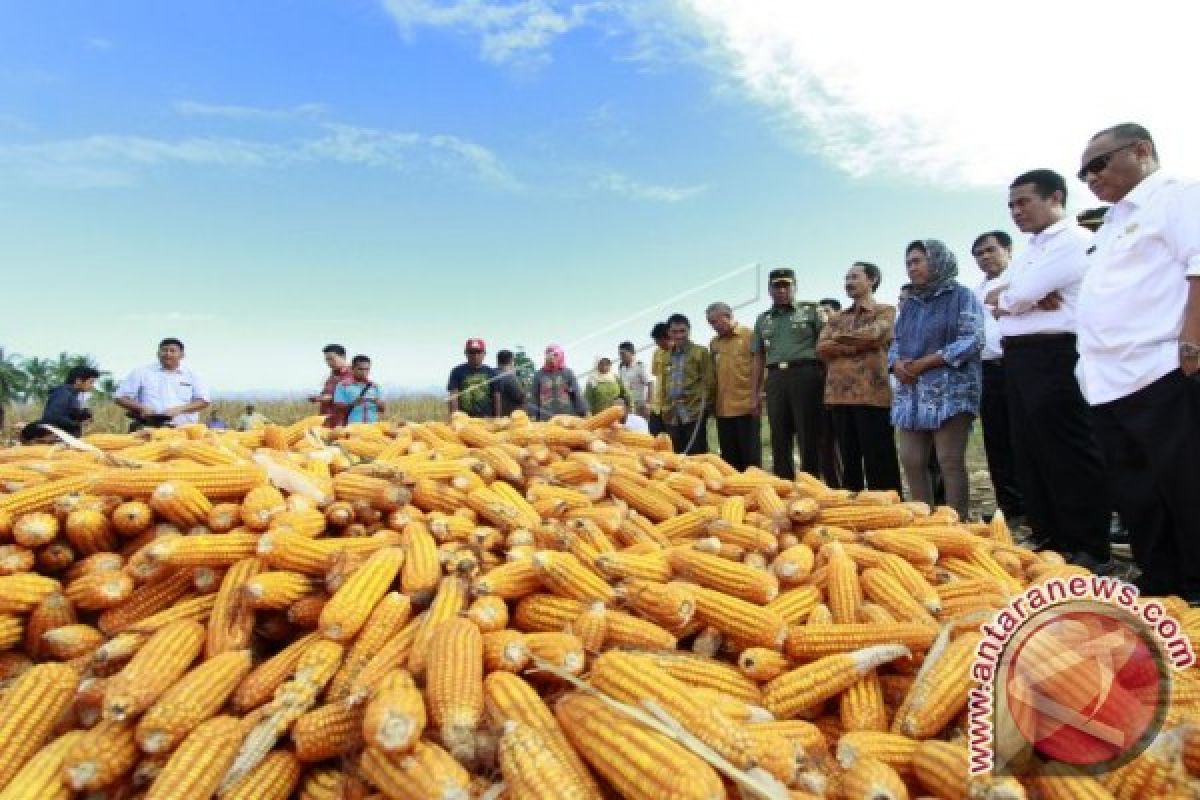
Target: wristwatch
{"type": "Point", "coordinates": [1189, 350]}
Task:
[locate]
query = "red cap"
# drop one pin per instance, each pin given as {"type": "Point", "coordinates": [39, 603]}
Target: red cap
{"type": "Point", "coordinates": [476, 344]}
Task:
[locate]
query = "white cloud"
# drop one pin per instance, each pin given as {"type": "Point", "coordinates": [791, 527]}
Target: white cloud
{"type": "Point", "coordinates": [508, 32]}
{"type": "Point", "coordinates": [625, 186]}
{"type": "Point", "coordinates": [116, 160]}
{"type": "Point", "coordinates": [192, 108]}
{"type": "Point", "coordinates": [954, 93]}
{"type": "Point", "coordinates": [98, 43]}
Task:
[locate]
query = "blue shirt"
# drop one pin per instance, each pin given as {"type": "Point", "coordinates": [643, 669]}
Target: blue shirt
{"type": "Point", "coordinates": [949, 323]}
{"type": "Point", "coordinates": [348, 393]}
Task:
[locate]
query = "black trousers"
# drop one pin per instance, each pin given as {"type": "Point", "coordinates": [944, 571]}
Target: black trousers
{"type": "Point", "coordinates": [689, 439]}
{"type": "Point", "coordinates": [868, 447]}
{"type": "Point", "coordinates": [997, 440]}
{"type": "Point", "coordinates": [1151, 441]}
{"type": "Point", "coordinates": [1057, 458]}
{"type": "Point", "coordinates": [795, 401]}
{"type": "Point", "coordinates": [830, 457]}
{"type": "Point", "coordinates": [741, 441]}
{"type": "Point", "coordinates": [655, 423]}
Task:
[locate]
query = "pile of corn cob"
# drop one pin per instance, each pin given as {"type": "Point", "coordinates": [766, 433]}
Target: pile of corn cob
{"type": "Point", "coordinates": [494, 609]}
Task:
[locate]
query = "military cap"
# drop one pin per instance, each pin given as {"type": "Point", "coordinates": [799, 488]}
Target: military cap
{"type": "Point", "coordinates": [782, 276]}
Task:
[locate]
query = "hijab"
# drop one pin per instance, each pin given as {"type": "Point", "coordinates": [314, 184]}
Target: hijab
{"type": "Point", "coordinates": [557, 360]}
{"type": "Point", "coordinates": [943, 268]}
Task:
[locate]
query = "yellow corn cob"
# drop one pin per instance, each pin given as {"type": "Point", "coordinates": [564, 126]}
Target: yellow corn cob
{"type": "Point", "coordinates": [650, 502]}
{"type": "Point", "coordinates": [261, 504]}
{"type": "Point", "coordinates": [12, 631]}
{"type": "Point", "coordinates": [196, 768]}
{"type": "Point", "coordinates": [72, 641]}
{"type": "Point", "coordinates": [796, 604]}
{"type": "Point", "coordinates": [489, 613]}
{"type": "Point", "coordinates": [377, 492]}
{"type": "Point", "coordinates": [54, 611]}
{"type": "Point", "coordinates": [738, 580]}
{"type": "Point", "coordinates": [505, 650]}
{"type": "Point", "coordinates": [199, 695]}
{"type": "Point", "coordinates": [275, 590]}
{"type": "Point", "coordinates": [565, 575]}
{"type": "Point", "coordinates": [101, 757]}
{"type": "Point", "coordinates": [843, 592]}
{"type": "Point", "coordinates": [307, 522]}
{"type": "Point", "coordinates": [192, 608]}
{"type": "Point", "coordinates": [218, 483]}
{"type": "Point", "coordinates": [454, 685]}
{"type": "Point", "coordinates": [273, 779]}
{"type": "Point", "coordinates": [592, 628]}
{"type": "Point", "coordinates": [671, 605]}
{"type": "Point", "coordinates": [132, 518]}
{"type": "Point", "coordinates": [912, 548]}
{"type": "Point", "coordinates": [892, 749]}
{"type": "Point", "coordinates": [391, 656]}
{"type": "Point", "coordinates": [29, 709]}
{"type": "Point", "coordinates": [638, 762]}
{"type": "Point", "coordinates": [942, 768]}
{"type": "Point", "coordinates": [939, 693]}
{"type": "Point", "coordinates": [449, 601]}
{"type": "Point", "coordinates": [283, 550]}
{"type": "Point", "coordinates": [563, 650]}
{"type": "Point", "coordinates": [550, 613]}
{"type": "Point", "coordinates": [804, 688]}
{"type": "Point", "coordinates": [644, 566]}
{"type": "Point", "coordinates": [509, 581]}
{"type": "Point", "coordinates": [154, 668]}
{"type": "Point", "coordinates": [426, 773]}
{"type": "Point", "coordinates": [862, 705]}
{"type": "Point", "coordinates": [746, 622]}
{"type": "Point", "coordinates": [421, 571]}
{"type": "Point", "coordinates": [913, 581]}
{"type": "Point", "coordinates": [41, 777]}
{"type": "Point", "coordinates": [205, 550]}
{"type": "Point", "coordinates": [15, 559]}
{"type": "Point", "coordinates": [180, 503]}
{"type": "Point", "coordinates": [814, 641]}
{"type": "Point", "coordinates": [21, 593]}
{"type": "Point", "coordinates": [692, 523]}
{"type": "Point", "coordinates": [706, 673]}
{"type": "Point", "coordinates": [89, 532]}
{"type": "Point", "coordinates": [886, 590]}
{"type": "Point", "coordinates": [259, 686]}
{"type": "Point", "coordinates": [865, 518]}
{"type": "Point", "coordinates": [429, 495]}
{"type": "Point", "coordinates": [347, 611]}
{"type": "Point", "coordinates": [761, 665]}
{"type": "Point", "coordinates": [869, 779]}
{"type": "Point", "coordinates": [395, 717]}
{"type": "Point", "coordinates": [1056, 781]}
{"type": "Point", "coordinates": [329, 731]}
{"type": "Point", "coordinates": [42, 496]}
{"type": "Point", "coordinates": [388, 618]}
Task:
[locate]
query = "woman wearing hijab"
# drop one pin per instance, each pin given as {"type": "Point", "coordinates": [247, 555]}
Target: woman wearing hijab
{"type": "Point", "coordinates": [935, 358]}
{"type": "Point", "coordinates": [555, 389]}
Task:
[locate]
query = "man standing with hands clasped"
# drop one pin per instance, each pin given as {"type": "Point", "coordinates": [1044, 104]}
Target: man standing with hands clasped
{"type": "Point", "coordinates": [1057, 459]}
{"type": "Point", "coordinates": [785, 344]}
{"type": "Point", "coordinates": [1139, 345]}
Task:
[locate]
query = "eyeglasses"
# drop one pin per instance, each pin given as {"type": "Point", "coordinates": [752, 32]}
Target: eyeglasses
{"type": "Point", "coordinates": [474, 352]}
{"type": "Point", "coordinates": [1100, 162]}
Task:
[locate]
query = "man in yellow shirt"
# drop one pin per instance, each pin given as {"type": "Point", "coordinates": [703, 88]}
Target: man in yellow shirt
{"type": "Point", "coordinates": [738, 423]}
{"type": "Point", "coordinates": [658, 373]}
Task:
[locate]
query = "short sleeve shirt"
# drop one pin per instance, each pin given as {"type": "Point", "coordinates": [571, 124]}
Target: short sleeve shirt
{"type": "Point", "coordinates": [787, 333]}
{"type": "Point", "coordinates": [333, 417]}
{"type": "Point", "coordinates": [473, 385]}
{"type": "Point", "coordinates": [349, 393]}
{"type": "Point", "coordinates": [160, 389]}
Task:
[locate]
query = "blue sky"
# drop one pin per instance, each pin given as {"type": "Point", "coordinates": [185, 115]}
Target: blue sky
{"type": "Point", "coordinates": [263, 178]}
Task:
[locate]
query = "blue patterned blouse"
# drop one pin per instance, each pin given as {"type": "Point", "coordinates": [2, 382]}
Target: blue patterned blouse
{"type": "Point", "coordinates": [949, 322]}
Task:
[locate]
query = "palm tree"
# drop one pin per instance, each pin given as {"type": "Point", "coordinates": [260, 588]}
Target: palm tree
{"type": "Point", "coordinates": [68, 361]}
{"type": "Point", "coordinates": [40, 376]}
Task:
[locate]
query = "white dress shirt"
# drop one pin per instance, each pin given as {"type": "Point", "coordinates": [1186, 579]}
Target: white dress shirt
{"type": "Point", "coordinates": [160, 389]}
{"type": "Point", "coordinates": [1055, 261]}
{"type": "Point", "coordinates": [633, 422]}
{"type": "Point", "coordinates": [1133, 299]}
{"type": "Point", "coordinates": [992, 348]}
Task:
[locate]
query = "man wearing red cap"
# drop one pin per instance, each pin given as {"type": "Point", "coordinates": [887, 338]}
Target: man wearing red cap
{"type": "Point", "coordinates": [471, 385]}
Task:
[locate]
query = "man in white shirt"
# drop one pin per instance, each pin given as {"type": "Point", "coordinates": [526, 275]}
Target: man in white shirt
{"type": "Point", "coordinates": [1058, 461]}
{"type": "Point", "coordinates": [635, 376]}
{"type": "Point", "coordinates": [163, 393]}
{"type": "Point", "coordinates": [1139, 343]}
{"type": "Point", "coordinates": [992, 252]}
{"type": "Point", "coordinates": [631, 421]}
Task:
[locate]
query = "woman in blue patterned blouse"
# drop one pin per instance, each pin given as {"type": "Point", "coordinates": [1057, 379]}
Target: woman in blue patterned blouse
{"type": "Point", "coordinates": [936, 360]}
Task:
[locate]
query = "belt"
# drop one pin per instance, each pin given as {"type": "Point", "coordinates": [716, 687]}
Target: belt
{"type": "Point", "coordinates": [1036, 339]}
{"type": "Point", "coordinates": [993, 362]}
{"type": "Point", "coordinates": [801, 362]}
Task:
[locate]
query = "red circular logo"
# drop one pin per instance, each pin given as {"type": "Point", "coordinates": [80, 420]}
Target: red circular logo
{"type": "Point", "coordinates": [1085, 687]}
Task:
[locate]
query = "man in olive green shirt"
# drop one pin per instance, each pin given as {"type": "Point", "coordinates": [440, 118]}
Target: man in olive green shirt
{"type": "Point", "coordinates": [738, 429]}
{"type": "Point", "coordinates": [662, 346]}
{"type": "Point", "coordinates": [785, 344]}
{"type": "Point", "coordinates": [688, 389]}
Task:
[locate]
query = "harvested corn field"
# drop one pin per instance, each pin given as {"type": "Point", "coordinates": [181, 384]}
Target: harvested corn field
{"type": "Point", "coordinates": [495, 609]}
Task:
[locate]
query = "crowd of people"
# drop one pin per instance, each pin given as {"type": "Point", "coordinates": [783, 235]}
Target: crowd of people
{"type": "Point", "coordinates": [1078, 356]}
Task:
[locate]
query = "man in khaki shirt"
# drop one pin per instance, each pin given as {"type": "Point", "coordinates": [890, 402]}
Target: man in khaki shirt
{"type": "Point", "coordinates": [738, 422]}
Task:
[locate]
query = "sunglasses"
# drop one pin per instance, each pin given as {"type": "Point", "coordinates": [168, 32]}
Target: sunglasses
{"type": "Point", "coordinates": [1100, 162]}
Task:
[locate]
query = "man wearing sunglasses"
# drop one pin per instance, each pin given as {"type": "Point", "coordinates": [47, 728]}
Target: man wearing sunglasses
{"type": "Point", "coordinates": [1139, 340]}
{"type": "Point", "coordinates": [472, 385]}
